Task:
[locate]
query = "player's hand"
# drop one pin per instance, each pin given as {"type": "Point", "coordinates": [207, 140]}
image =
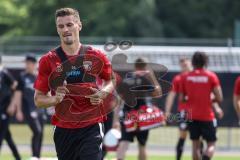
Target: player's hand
{"type": "Point", "coordinates": [219, 113]}
{"type": "Point", "coordinates": [11, 110]}
{"type": "Point", "coordinates": [167, 117]}
{"type": "Point", "coordinates": [19, 116]}
{"type": "Point", "coordinates": [97, 97]}
{"type": "Point", "coordinates": [60, 93]}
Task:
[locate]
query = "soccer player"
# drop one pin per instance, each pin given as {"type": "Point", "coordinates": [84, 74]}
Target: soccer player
{"type": "Point", "coordinates": [33, 116]}
{"type": "Point", "coordinates": [76, 136]}
{"type": "Point", "coordinates": [186, 66]}
{"type": "Point", "coordinates": [196, 90]}
{"type": "Point", "coordinates": [7, 108]}
{"type": "Point", "coordinates": [142, 77]}
{"type": "Point", "coordinates": [236, 97]}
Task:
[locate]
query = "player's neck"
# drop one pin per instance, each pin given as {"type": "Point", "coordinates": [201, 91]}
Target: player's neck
{"type": "Point", "coordinates": [72, 49]}
{"type": "Point", "coordinates": [199, 68]}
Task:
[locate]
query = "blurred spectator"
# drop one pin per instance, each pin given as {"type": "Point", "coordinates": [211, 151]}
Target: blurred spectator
{"type": "Point", "coordinates": [33, 116]}
{"type": "Point", "coordinates": [7, 107]}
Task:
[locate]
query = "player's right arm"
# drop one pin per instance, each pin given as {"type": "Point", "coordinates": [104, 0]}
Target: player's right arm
{"type": "Point", "coordinates": [45, 100]}
{"type": "Point", "coordinates": [169, 103]}
{"type": "Point", "coordinates": [41, 97]}
{"type": "Point", "coordinates": [171, 96]}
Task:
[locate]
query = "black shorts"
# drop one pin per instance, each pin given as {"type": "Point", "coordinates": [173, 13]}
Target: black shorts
{"type": "Point", "coordinates": [182, 121]}
{"type": "Point", "coordinates": [141, 136]}
{"type": "Point", "coordinates": [108, 123]}
{"type": "Point", "coordinates": [205, 129]}
{"type": "Point", "coordinates": [79, 144]}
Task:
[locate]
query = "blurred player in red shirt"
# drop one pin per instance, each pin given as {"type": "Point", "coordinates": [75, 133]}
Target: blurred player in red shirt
{"type": "Point", "coordinates": [70, 73]}
{"type": "Point", "coordinates": [196, 90]}
{"type": "Point", "coordinates": [185, 65]}
{"type": "Point", "coordinates": [236, 97]}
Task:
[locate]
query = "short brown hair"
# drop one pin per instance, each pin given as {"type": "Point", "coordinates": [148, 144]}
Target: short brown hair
{"type": "Point", "coordinates": [140, 63]}
{"type": "Point", "coordinates": [67, 12]}
{"type": "Point", "coordinates": [200, 59]}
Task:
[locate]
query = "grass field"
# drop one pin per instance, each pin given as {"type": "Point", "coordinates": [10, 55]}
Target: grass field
{"type": "Point", "coordinates": [8, 157]}
{"type": "Point", "coordinates": [159, 139]}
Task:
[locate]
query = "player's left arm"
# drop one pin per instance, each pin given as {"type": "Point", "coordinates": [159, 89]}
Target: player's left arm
{"type": "Point", "coordinates": [217, 91]}
{"type": "Point", "coordinates": [100, 95]}
{"type": "Point", "coordinates": [218, 110]}
{"type": "Point", "coordinates": [108, 88]}
{"type": "Point", "coordinates": [157, 87]}
{"type": "Point", "coordinates": [109, 82]}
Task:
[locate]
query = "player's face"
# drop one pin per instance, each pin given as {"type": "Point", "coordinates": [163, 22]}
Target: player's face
{"type": "Point", "coordinates": [30, 66]}
{"type": "Point", "coordinates": [186, 65]}
{"type": "Point", "coordinates": [68, 28]}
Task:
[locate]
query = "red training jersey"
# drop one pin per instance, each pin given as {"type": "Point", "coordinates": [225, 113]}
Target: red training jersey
{"type": "Point", "coordinates": [78, 103]}
{"type": "Point", "coordinates": [176, 84]}
{"type": "Point", "coordinates": [197, 86]}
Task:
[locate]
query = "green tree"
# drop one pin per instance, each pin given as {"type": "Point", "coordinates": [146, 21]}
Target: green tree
{"type": "Point", "coordinates": [12, 15]}
{"type": "Point", "coordinates": [198, 18]}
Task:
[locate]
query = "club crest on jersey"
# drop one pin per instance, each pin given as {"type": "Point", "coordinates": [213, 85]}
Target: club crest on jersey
{"type": "Point", "coordinates": [59, 68]}
{"type": "Point", "coordinates": [87, 65]}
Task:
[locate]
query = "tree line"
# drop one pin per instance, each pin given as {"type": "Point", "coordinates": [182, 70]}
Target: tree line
{"type": "Point", "coordinates": [124, 18]}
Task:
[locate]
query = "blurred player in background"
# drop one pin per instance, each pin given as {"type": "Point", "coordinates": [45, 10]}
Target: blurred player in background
{"type": "Point", "coordinates": [7, 108]}
{"type": "Point", "coordinates": [236, 97]}
{"type": "Point", "coordinates": [33, 116]}
{"type": "Point", "coordinates": [74, 139]}
{"type": "Point", "coordinates": [186, 66]}
{"type": "Point", "coordinates": [142, 76]}
{"type": "Point", "coordinates": [196, 90]}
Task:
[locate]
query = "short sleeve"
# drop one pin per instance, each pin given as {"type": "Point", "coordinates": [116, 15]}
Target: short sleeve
{"type": "Point", "coordinates": [106, 72]}
{"type": "Point", "coordinates": [44, 72]}
{"type": "Point", "coordinates": [237, 87]}
{"type": "Point", "coordinates": [176, 84]}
